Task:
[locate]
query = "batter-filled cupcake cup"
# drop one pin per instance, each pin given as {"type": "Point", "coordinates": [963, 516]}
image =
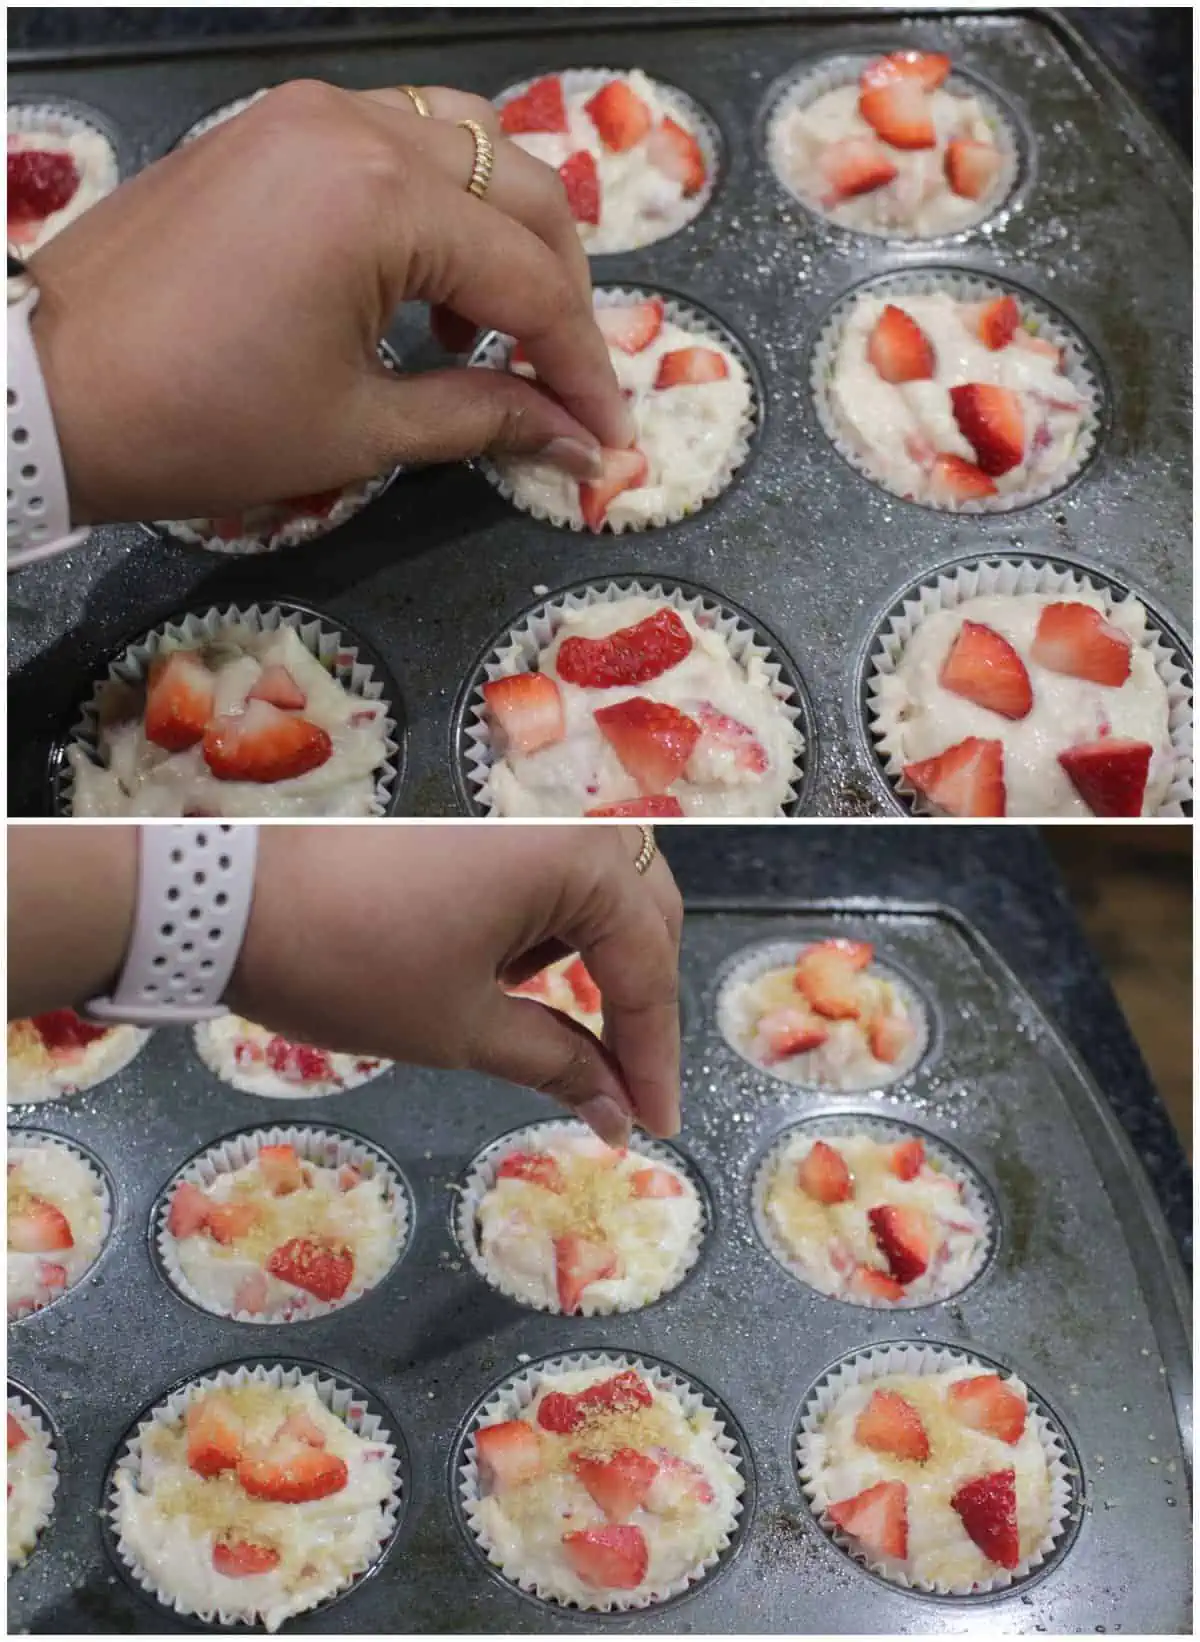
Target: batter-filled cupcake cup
{"type": "Point", "coordinates": [1044, 1482]}
{"type": "Point", "coordinates": [1169, 785]}
{"type": "Point", "coordinates": [218, 116]}
{"type": "Point", "coordinates": [1054, 353]}
{"type": "Point", "coordinates": [257, 1062]}
{"type": "Point", "coordinates": [293, 1268]}
{"type": "Point", "coordinates": [119, 696]}
{"type": "Point", "coordinates": [715, 1449]}
{"type": "Point", "coordinates": [173, 1561]}
{"type": "Point", "coordinates": [693, 450]}
{"type": "Point", "coordinates": [675, 1209]}
{"type": "Point", "coordinates": [35, 1074]}
{"type": "Point", "coordinates": [32, 1475]}
{"type": "Point", "coordinates": [56, 1192]}
{"type": "Point", "coordinates": [92, 170]}
{"type": "Point", "coordinates": [759, 659]}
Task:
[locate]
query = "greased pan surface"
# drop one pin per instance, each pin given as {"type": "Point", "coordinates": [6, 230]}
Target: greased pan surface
{"type": "Point", "coordinates": [431, 570]}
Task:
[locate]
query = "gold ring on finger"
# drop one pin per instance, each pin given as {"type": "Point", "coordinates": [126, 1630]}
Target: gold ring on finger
{"type": "Point", "coordinates": [485, 158]}
{"type": "Point", "coordinates": [418, 102]}
{"type": "Point", "coordinates": [648, 851]}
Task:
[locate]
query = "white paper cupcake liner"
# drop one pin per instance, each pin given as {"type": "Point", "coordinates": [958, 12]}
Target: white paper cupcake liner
{"type": "Point", "coordinates": [209, 1050]}
{"type": "Point", "coordinates": [34, 1138]}
{"type": "Point", "coordinates": [481, 1177]}
{"type": "Point", "coordinates": [327, 1148]}
{"type": "Point", "coordinates": [518, 651]}
{"type": "Point", "coordinates": [123, 1047]}
{"type": "Point", "coordinates": [982, 577]}
{"type": "Point", "coordinates": [747, 967]}
{"type": "Point", "coordinates": [218, 116]}
{"type": "Point", "coordinates": [874, 1364]}
{"type": "Point", "coordinates": [336, 650]}
{"type": "Point", "coordinates": [45, 1487]}
{"type": "Point", "coordinates": [1079, 370]}
{"type": "Point", "coordinates": [802, 88]}
{"type": "Point", "coordinates": [510, 1401]}
{"type": "Point", "coordinates": [493, 354]}
{"type": "Point", "coordinates": [975, 1201]}
{"type": "Point", "coordinates": [679, 107]}
{"type": "Point", "coordinates": [340, 1399]}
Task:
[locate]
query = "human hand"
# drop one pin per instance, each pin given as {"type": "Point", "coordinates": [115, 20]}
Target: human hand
{"type": "Point", "coordinates": [398, 942]}
{"type": "Point", "coordinates": [208, 332]}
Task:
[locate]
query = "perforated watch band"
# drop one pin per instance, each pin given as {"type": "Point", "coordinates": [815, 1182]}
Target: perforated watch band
{"type": "Point", "coordinates": [195, 886]}
{"type": "Point", "coordinates": [39, 509]}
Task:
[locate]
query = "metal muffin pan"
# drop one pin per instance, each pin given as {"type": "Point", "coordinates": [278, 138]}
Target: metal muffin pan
{"type": "Point", "coordinates": [802, 541]}
{"type": "Point", "coordinates": [1082, 1297]}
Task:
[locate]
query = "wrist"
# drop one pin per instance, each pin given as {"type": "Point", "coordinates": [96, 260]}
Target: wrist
{"type": "Point", "coordinates": [277, 886]}
{"type": "Point", "coordinates": [70, 419]}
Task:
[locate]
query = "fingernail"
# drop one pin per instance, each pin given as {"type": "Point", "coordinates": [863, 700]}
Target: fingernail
{"type": "Point", "coordinates": [573, 456]}
{"type": "Point", "coordinates": [605, 1118]}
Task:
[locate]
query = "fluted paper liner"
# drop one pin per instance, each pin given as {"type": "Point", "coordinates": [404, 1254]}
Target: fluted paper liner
{"type": "Point", "coordinates": [512, 1399]}
{"type": "Point", "coordinates": [339, 1399]}
{"type": "Point", "coordinates": [30, 1139]}
{"type": "Point", "coordinates": [327, 1148]}
{"type": "Point", "coordinates": [202, 1042]}
{"type": "Point", "coordinates": [482, 1176]}
{"type": "Point", "coordinates": [23, 1092]}
{"type": "Point", "coordinates": [959, 583]}
{"type": "Point", "coordinates": [874, 1364]}
{"type": "Point", "coordinates": [218, 116]}
{"type": "Point", "coordinates": [844, 1127]}
{"type": "Point", "coordinates": [47, 1485]}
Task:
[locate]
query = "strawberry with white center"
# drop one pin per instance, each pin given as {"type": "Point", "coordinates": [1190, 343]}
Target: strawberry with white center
{"type": "Point", "coordinates": [57, 168]}
{"type": "Point", "coordinates": [58, 1214]}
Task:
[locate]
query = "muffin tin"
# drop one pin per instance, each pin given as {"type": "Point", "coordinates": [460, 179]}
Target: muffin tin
{"type": "Point", "coordinates": [801, 540]}
{"type": "Point", "coordinates": [1081, 1297]}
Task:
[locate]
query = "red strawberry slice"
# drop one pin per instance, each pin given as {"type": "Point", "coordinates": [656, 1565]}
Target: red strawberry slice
{"type": "Point", "coordinates": [825, 974]}
{"type": "Point", "coordinates": [953, 480]}
{"type": "Point", "coordinates": [529, 710]}
{"type": "Point", "coordinates": [791, 1030]}
{"type": "Point", "coordinates": [982, 666]}
{"type": "Point", "coordinates": [890, 1424]}
{"type": "Point", "coordinates": [189, 1210]}
{"type": "Point", "coordinates": [179, 701]}
{"type": "Point", "coordinates": [988, 1509]}
{"type": "Point", "coordinates": [291, 1473]}
{"type": "Point", "coordinates": [898, 109]}
{"type": "Point", "coordinates": [927, 68]}
{"type": "Point", "coordinates": [966, 779]}
{"type": "Point", "coordinates": [276, 685]}
{"type": "Point", "coordinates": [1109, 774]}
{"type": "Point", "coordinates": [619, 115]}
{"type": "Point", "coordinates": [898, 347]}
{"type": "Point", "coordinates": [855, 954]}
{"type": "Point", "coordinates": [652, 741]}
{"type": "Point", "coordinates": [541, 108]}
{"type": "Point", "coordinates": [299, 1062]}
{"type": "Point", "coordinates": [986, 1403]}
{"type": "Point", "coordinates": [907, 1159]}
{"type": "Point", "coordinates": [214, 1435]}
{"type": "Point", "coordinates": [823, 1174]}
{"type": "Point", "coordinates": [855, 165]}
{"type": "Point", "coordinates": [888, 1037]}
{"type": "Point", "coordinates": [586, 992]}
{"type": "Point", "coordinates": [608, 1559]}
{"type": "Point", "coordinates": [660, 806]}
{"type": "Point", "coordinates": [264, 745]}
{"type": "Point", "coordinates": [51, 1276]}
{"type": "Point", "coordinates": [971, 168]}
{"type": "Point", "coordinates": [991, 419]}
{"type": "Point", "coordinates": [685, 367]}
{"type": "Point", "coordinates": [631, 655]}
{"type": "Point", "coordinates": [872, 1284]}
{"type": "Point", "coordinates": [62, 1031]}
{"type": "Point", "coordinates": [40, 182]}
{"type": "Point", "coordinates": [996, 322]}
{"type": "Point", "coordinates": [905, 1239]}
{"type": "Point", "coordinates": [620, 470]}
{"type": "Point", "coordinates": [537, 986]}
{"type": "Point", "coordinates": [631, 327]}
{"type": "Point", "coordinates": [622, 1393]}
{"type": "Point", "coordinates": [582, 182]}
{"type": "Point", "coordinates": [17, 1433]}
{"type": "Point", "coordinates": [578, 1263]}
{"type": "Point", "coordinates": [242, 1558]}
{"type": "Point", "coordinates": [655, 1183]}
{"type": "Point", "coordinates": [38, 1227]}
{"type": "Point", "coordinates": [349, 1177]}
{"type": "Point", "coordinates": [1077, 640]}
{"type": "Point", "coordinates": [507, 1454]}
{"type": "Point", "coordinates": [316, 504]}
{"type": "Point", "coordinates": [558, 1412]}
{"type": "Point", "coordinates": [677, 154]}
{"type": "Point", "coordinates": [251, 1293]}
{"type": "Point", "coordinates": [322, 1269]}
{"type": "Point", "coordinates": [618, 1484]}
{"type": "Point", "coordinates": [1038, 344]}
{"type": "Point", "coordinates": [877, 1518]}
{"type": "Point", "coordinates": [749, 754]}
{"type": "Point", "coordinates": [538, 1168]}
{"type": "Point", "coordinates": [677, 1480]}
{"type": "Point", "coordinates": [281, 1169]}
{"type": "Point", "coordinates": [229, 1221]}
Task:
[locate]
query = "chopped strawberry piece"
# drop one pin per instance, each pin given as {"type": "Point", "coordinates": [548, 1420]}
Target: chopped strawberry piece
{"type": "Point", "coordinates": [291, 1473]}
{"type": "Point", "coordinates": [982, 666]}
{"type": "Point", "coordinates": [966, 779]}
{"type": "Point", "coordinates": [276, 685]}
{"type": "Point", "coordinates": [263, 745]}
{"type": "Point", "coordinates": [1038, 344]}
{"type": "Point", "coordinates": [685, 367]}
{"type": "Point", "coordinates": [541, 108]}
{"type": "Point", "coordinates": [988, 1509]}
{"type": "Point", "coordinates": [63, 1031]}
{"type": "Point", "coordinates": [618, 1484]}
{"type": "Point", "coordinates": [17, 1433]}
{"type": "Point", "coordinates": [631, 655]}
{"type": "Point", "coordinates": [791, 1030]}
{"type": "Point", "coordinates": [528, 708]}
{"type": "Point", "coordinates": [823, 1175]}
{"type": "Point", "coordinates": [953, 480]}
{"type": "Point", "coordinates": [507, 1454]}
{"type": "Point", "coordinates": [855, 165]}
{"type": "Point", "coordinates": [677, 154]}
{"type": "Point", "coordinates": [581, 180]}
{"type": "Point", "coordinates": [538, 1168]}
{"type": "Point", "coordinates": [189, 1210]}
{"type": "Point", "coordinates": [904, 1237]}
{"type": "Point", "coordinates": [888, 1037]}
{"type": "Point", "coordinates": [229, 1221]}
{"type": "Point", "coordinates": [899, 349]}
{"type": "Point", "coordinates": [251, 1293]}
{"type": "Point", "coordinates": [1077, 640]}
{"type": "Point", "coordinates": [38, 1227]}
{"type": "Point", "coordinates": [537, 986]}
{"type": "Point", "coordinates": [558, 1412]}
{"type": "Point", "coordinates": [299, 1062]}
{"type": "Point", "coordinates": [622, 1393]}
{"type": "Point", "coordinates": [873, 1284]}
{"type": "Point", "coordinates": [986, 1403]}
{"type": "Point", "coordinates": [40, 182]}
{"type": "Point", "coordinates": [652, 741]}
{"type": "Point", "coordinates": [242, 1559]}
{"type": "Point", "coordinates": [655, 806]}
{"type": "Point", "coordinates": [281, 1169]}
{"type": "Point", "coordinates": [749, 754]}
{"type": "Point", "coordinates": [927, 68]}
{"type": "Point", "coordinates": [578, 1263]}
{"type": "Point", "coordinates": [51, 1276]}
{"type": "Point", "coordinates": [825, 974]}
{"type": "Point", "coordinates": [907, 1159]}
{"type": "Point", "coordinates": [890, 1424]}
{"type": "Point", "coordinates": [586, 992]}
{"type": "Point", "coordinates": [322, 1269]}
{"type": "Point", "coordinates": [349, 1177]}
{"type": "Point", "coordinates": [656, 1183]}
{"type": "Point", "coordinates": [996, 322]}
{"type": "Point", "coordinates": [898, 109]}
{"type": "Point", "coordinates": [318, 504]}
{"type": "Point", "coordinates": [179, 700]}
{"type": "Point", "coordinates": [620, 470]}
{"type": "Point", "coordinates": [631, 326]}
{"type": "Point", "coordinates": [971, 168]}
{"type": "Point", "coordinates": [214, 1435]}
{"type": "Point", "coordinates": [855, 954]}
{"type": "Point", "coordinates": [1109, 774]}
{"type": "Point", "coordinates": [991, 420]}
{"type": "Point", "coordinates": [608, 1559]}
{"type": "Point", "coordinates": [677, 1479]}
{"type": "Point", "coordinates": [877, 1518]}
{"type": "Point", "coordinates": [619, 115]}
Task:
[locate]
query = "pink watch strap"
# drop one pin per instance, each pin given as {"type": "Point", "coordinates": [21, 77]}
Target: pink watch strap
{"type": "Point", "coordinates": [39, 510]}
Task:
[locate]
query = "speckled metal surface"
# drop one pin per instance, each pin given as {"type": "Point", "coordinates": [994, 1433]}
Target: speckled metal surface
{"type": "Point", "coordinates": [803, 542]}
{"type": "Point", "coordinates": [1083, 1298]}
